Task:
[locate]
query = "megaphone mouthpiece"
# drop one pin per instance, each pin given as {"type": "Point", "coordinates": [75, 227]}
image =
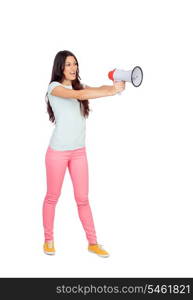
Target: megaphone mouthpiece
{"type": "Point", "coordinates": [111, 74]}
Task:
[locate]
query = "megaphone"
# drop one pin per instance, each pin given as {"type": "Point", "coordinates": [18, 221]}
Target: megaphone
{"type": "Point", "coordinates": [135, 76]}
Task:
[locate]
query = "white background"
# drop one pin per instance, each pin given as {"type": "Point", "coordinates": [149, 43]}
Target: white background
{"type": "Point", "coordinates": [139, 144]}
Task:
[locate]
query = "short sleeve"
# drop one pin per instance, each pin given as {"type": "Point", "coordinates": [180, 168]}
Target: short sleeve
{"type": "Point", "coordinates": [84, 85]}
{"type": "Point", "coordinates": [52, 85]}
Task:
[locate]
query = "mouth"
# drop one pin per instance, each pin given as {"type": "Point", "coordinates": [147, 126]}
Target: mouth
{"type": "Point", "coordinates": [73, 74]}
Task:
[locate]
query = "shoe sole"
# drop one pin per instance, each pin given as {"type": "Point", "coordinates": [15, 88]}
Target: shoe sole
{"type": "Point", "coordinates": [107, 255]}
{"type": "Point", "coordinates": [49, 253]}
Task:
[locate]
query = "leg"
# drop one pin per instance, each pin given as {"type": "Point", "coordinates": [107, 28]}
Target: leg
{"type": "Point", "coordinates": [56, 163]}
{"type": "Point", "coordinates": [78, 169]}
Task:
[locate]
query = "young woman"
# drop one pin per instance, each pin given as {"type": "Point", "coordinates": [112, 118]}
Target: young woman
{"type": "Point", "coordinates": [68, 107]}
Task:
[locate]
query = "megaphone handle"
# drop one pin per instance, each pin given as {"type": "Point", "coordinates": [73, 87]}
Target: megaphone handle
{"type": "Point", "coordinates": [119, 93]}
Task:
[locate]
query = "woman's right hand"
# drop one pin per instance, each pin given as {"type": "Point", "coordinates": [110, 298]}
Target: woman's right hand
{"type": "Point", "coordinates": [118, 87]}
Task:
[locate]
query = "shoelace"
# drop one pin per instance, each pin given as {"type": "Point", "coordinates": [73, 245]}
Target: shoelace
{"type": "Point", "coordinates": [101, 246]}
{"type": "Point", "coordinates": [49, 246]}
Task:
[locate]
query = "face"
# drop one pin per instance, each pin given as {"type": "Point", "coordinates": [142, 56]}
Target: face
{"type": "Point", "coordinates": [70, 68]}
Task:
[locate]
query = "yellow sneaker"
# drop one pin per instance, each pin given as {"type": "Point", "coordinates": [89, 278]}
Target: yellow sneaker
{"type": "Point", "coordinates": [97, 249]}
{"type": "Point", "coordinates": [49, 250]}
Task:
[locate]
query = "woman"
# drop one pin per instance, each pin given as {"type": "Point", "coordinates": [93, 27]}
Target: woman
{"type": "Point", "coordinates": [68, 107]}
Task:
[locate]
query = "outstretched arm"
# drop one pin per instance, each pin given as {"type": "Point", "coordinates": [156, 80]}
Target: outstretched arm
{"type": "Point", "coordinates": [89, 92]}
{"type": "Point", "coordinates": [84, 94]}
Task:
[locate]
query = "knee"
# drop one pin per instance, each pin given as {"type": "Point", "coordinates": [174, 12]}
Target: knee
{"type": "Point", "coordinates": [82, 200]}
{"type": "Point", "coordinates": [51, 198]}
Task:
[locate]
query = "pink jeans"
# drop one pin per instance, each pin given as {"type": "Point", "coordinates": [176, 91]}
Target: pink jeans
{"type": "Point", "coordinates": [56, 162]}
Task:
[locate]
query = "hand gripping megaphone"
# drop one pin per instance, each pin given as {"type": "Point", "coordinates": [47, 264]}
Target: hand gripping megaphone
{"type": "Point", "coordinates": [135, 76]}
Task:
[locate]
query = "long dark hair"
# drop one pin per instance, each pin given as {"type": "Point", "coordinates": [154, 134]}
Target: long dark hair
{"type": "Point", "coordinates": [57, 75]}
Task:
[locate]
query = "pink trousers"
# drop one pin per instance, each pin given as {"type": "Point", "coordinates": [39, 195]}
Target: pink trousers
{"type": "Point", "coordinates": [56, 163]}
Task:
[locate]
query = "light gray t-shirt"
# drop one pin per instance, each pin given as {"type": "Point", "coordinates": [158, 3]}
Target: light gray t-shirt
{"type": "Point", "coordinates": [70, 128]}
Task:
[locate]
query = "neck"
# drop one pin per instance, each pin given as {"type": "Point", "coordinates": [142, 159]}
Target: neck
{"type": "Point", "coordinates": [67, 82]}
